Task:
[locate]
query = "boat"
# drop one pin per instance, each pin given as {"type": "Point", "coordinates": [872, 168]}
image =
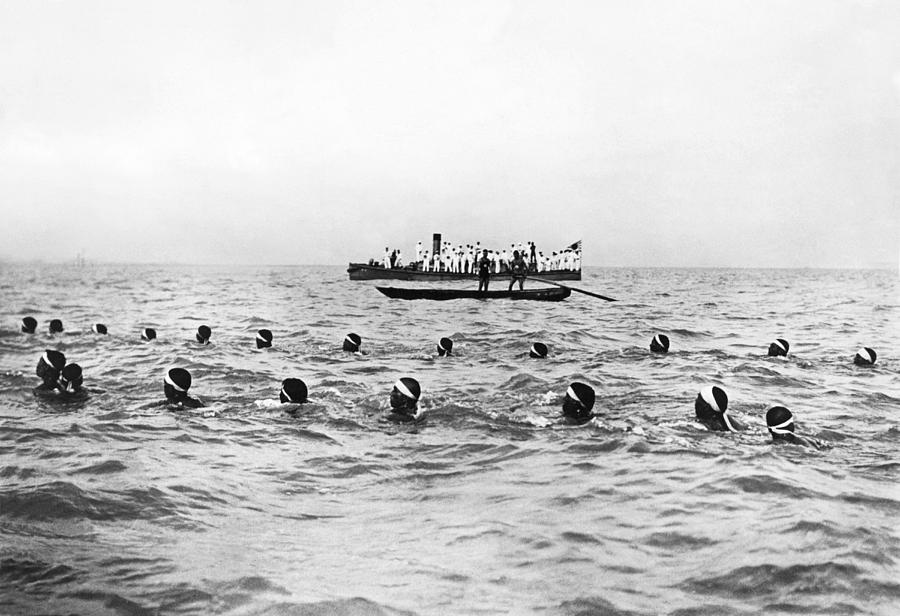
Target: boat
{"type": "Point", "coordinates": [554, 294]}
{"type": "Point", "coordinates": [364, 271]}
{"type": "Point", "coordinates": [376, 271]}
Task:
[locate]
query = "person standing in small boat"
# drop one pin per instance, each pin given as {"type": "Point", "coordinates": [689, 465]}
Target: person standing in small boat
{"type": "Point", "coordinates": [484, 271]}
{"type": "Point", "coordinates": [518, 268]}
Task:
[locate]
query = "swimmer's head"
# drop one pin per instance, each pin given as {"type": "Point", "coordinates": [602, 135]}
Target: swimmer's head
{"type": "Point", "coordinates": [660, 343]}
{"type": "Point", "coordinates": [779, 348]}
{"type": "Point", "coordinates": [405, 394]}
{"type": "Point", "coordinates": [50, 365]}
{"type": "Point", "coordinates": [780, 422]}
{"type": "Point", "coordinates": [56, 326]}
{"type": "Point", "coordinates": [538, 350]}
{"type": "Point", "coordinates": [99, 328]}
{"type": "Point", "coordinates": [579, 401]}
{"type": "Point", "coordinates": [445, 347]}
{"type": "Point", "coordinates": [351, 343]}
{"type": "Point", "coordinates": [263, 339]}
{"type": "Point", "coordinates": [865, 357]}
{"type": "Point", "coordinates": [29, 324]}
{"type": "Point", "coordinates": [176, 384]}
{"type": "Point", "coordinates": [711, 406]}
{"type": "Point", "coordinates": [293, 391]}
{"type": "Point", "coordinates": [203, 334]}
{"type": "Point", "coordinates": [148, 334]}
{"type": "Point", "coordinates": [71, 378]}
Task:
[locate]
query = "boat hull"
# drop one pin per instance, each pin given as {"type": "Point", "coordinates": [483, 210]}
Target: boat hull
{"type": "Point", "coordinates": [363, 271]}
{"type": "Point", "coordinates": [544, 295]}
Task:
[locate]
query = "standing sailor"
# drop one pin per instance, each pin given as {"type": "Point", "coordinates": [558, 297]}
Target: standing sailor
{"type": "Point", "coordinates": [484, 271]}
{"type": "Point", "coordinates": [518, 269]}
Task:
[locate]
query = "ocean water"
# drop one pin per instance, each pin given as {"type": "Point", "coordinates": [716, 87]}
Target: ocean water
{"type": "Point", "coordinates": [117, 505]}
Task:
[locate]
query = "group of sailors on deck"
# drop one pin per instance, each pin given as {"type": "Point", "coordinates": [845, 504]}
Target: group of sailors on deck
{"type": "Point", "coordinates": [463, 259]}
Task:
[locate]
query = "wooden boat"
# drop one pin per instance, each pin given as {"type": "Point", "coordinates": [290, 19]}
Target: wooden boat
{"type": "Point", "coordinates": [554, 294]}
{"type": "Point", "coordinates": [364, 271]}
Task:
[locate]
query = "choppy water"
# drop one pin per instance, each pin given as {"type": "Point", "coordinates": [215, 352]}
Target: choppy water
{"type": "Point", "coordinates": [117, 506]}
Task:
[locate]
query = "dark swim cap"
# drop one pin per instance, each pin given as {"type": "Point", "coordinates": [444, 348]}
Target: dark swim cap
{"type": "Point", "coordinates": [779, 348]}
{"type": "Point", "coordinates": [293, 390]}
{"type": "Point", "coordinates": [351, 343]}
{"type": "Point", "coordinates": [178, 379]}
{"type": "Point", "coordinates": [203, 334]}
{"type": "Point", "coordinates": [660, 343]}
{"type": "Point", "coordinates": [263, 339]}
{"type": "Point", "coordinates": [779, 420]}
{"type": "Point", "coordinates": [445, 347]}
{"type": "Point", "coordinates": [409, 387]}
{"type": "Point", "coordinates": [99, 328]}
{"type": "Point", "coordinates": [50, 363]}
{"type": "Point", "coordinates": [710, 407]}
{"type": "Point", "coordinates": [581, 394]}
{"type": "Point", "coordinates": [865, 357]}
{"type": "Point", "coordinates": [71, 377]}
{"type": "Point", "coordinates": [538, 350]}
{"type": "Point", "coordinates": [28, 325]}
{"type": "Point", "coordinates": [148, 334]}
{"type": "Point", "coordinates": [56, 326]}
{"type": "Point", "coordinates": [712, 398]}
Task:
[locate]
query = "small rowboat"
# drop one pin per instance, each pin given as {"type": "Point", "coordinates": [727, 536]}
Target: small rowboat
{"type": "Point", "coordinates": [543, 295]}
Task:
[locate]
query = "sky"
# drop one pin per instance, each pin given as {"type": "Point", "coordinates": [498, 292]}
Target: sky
{"type": "Point", "coordinates": [697, 133]}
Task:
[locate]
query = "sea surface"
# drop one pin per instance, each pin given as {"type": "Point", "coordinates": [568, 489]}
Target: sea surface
{"type": "Point", "coordinates": [116, 504]}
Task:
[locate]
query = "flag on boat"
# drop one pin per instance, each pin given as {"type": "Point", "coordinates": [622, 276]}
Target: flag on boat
{"type": "Point", "coordinates": [575, 246]}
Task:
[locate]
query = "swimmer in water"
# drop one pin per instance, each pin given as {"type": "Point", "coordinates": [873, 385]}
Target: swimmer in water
{"type": "Point", "coordinates": [538, 350]}
{"type": "Point", "coordinates": [660, 343]}
{"type": "Point", "coordinates": [293, 391]}
{"type": "Point", "coordinates": [263, 339]}
{"type": "Point", "coordinates": [148, 334]}
{"type": "Point", "coordinates": [865, 357]}
{"type": "Point", "coordinates": [405, 400]}
{"type": "Point", "coordinates": [352, 343]}
{"type": "Point", "coordinates": [445, 347]}
{"type": "Point", "coordinates": [780, 422]}
{"type": "Point", "coordinates": [71, 380]}
{"type": "Point", "coordinates": [56, 326]}
{"type": "Point", "coordinates": [779, 348]}
{"type": "Point", "coordinates": [99, 328]}
{"type": "Point", "coordinates": [711, 406]}
{"type": "Point", "coordinates": [49, 367]}
{"type": "Point", "coordinates": [577, 404]}
{"type": "Point", "coordinates": [203, 334]}
{"type": "Point", "coordinates": [29, 324]}
{"type": "Point", "coordinates": [175, 385]}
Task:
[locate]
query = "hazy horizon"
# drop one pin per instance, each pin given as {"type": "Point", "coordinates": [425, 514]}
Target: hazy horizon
{"type": "Point", "coordinates": [695, 134]}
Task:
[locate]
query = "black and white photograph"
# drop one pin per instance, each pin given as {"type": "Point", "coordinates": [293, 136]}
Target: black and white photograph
{"type": "Point", "coordinates": [450, 308]}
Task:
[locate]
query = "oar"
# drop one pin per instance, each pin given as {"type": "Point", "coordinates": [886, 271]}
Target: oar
{"type": "Point", "coordinates": [609, 299]}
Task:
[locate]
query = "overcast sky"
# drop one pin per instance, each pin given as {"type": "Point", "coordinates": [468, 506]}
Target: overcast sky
{"type": "Point", "coordinates": [689, 133]}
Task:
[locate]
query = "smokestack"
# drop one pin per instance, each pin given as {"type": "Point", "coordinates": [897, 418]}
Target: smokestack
{"type": "Point", "coordinates": [436, 243]}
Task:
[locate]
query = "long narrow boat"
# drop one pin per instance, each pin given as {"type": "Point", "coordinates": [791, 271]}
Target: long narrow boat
{"type": "Point", "coordinates": [544, 295]}
{"type": "Point", "coordinates": [363, 271]}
